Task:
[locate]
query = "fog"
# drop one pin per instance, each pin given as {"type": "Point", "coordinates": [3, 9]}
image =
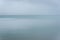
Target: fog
{"type": "Point", "coordinates": [29, 7]}
{"type": "Point", "coordinates": [29, 20]}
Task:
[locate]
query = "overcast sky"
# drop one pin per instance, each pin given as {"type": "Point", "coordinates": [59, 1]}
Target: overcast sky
{"type": "Point", "coordinates": [29, 7]}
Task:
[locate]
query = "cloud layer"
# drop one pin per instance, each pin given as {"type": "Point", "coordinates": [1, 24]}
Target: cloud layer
{"type": "Point", "coordinates": [29, 7]}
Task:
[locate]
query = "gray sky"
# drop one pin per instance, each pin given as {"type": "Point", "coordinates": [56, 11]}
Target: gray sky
{"type": "Point", "coordinates": [29, 7]}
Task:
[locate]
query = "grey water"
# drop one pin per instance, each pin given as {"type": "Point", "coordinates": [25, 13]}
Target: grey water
{"type": "Point", "coordinates": [29, 27]}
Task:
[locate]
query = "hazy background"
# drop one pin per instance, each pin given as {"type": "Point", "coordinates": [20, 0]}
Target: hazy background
{"type": "Point", "coordinates": [29, 7]}
{"type": "Point", "coordinates": [29, 19]}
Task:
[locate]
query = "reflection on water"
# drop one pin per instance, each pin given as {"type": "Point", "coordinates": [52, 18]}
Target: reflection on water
{"type": "Point", "coordinates": [29, 27]}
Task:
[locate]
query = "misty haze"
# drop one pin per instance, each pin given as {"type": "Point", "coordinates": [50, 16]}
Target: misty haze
{"type": "Point", "coordinates": [29, 19]}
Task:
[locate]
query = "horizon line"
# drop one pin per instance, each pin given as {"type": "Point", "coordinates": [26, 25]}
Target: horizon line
{"type": "Point", "coordinates": [29, 15]}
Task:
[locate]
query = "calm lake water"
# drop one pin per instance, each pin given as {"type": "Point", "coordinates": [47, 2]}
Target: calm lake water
{"type": "Point", "coordinates": [29, 27]}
